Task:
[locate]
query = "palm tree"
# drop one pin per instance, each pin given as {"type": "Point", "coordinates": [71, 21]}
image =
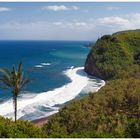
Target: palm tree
{"type": "Point", "coordinates": [15, 81]}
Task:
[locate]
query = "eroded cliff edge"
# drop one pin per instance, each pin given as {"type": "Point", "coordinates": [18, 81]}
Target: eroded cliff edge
{"type": "Point", "coordinates": [115, 56]}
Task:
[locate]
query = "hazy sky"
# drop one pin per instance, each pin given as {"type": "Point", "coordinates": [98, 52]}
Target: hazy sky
{"type": "Point", "coordinates": [66, 21]}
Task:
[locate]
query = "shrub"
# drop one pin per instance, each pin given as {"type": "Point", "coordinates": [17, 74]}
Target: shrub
{"type": "Point", "coordinates": [21, 129]}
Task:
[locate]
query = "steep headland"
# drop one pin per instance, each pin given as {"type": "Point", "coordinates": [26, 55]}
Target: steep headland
{"type": "Point", "coordinates": [115, 56]}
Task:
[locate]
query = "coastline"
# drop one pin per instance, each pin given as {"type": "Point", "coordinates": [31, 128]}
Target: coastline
{"type": "Point", "coordinates": [41, 121]}
{"type": "Point", "coordinates": [52, 100]}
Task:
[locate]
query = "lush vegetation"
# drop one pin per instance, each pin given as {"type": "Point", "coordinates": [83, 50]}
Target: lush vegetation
{"type": "Point", "coordinates": [20, 129]}
{"type": "Point", "coordinates": [114, 111]}
{"type": "Point", "coordinates": [116, 56]}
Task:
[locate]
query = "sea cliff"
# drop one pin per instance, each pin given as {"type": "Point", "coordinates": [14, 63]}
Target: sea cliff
{"type": "Point", "coordinates": [115, 56]}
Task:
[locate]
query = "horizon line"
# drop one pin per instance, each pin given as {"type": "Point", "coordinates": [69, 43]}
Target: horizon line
{"type": "Point", "coordinates": [43, 40]}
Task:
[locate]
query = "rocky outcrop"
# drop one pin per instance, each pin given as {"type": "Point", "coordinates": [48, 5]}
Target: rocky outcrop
{"type": "Point", "coordinates": [90, 66]}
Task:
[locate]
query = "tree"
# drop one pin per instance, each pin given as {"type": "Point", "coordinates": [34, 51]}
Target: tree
{"type": "Point", "coordinates": [15, 81]}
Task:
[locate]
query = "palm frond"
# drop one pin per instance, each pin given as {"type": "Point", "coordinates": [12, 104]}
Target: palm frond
{"type": "Point", "coordinates": [14, 71]}
{"type": "Point", "coordinates": [23, 83]}
{"type": "Point", "coordinates": [13, 79]}
{"type": "Point", "coordinates": [5, 72]}
{"type": "Point", "coordinates": [6, 81]}
{"type": "Point", "coordinates": [20, 67]}
{"type": "Point", "coordinates": [20, 73]}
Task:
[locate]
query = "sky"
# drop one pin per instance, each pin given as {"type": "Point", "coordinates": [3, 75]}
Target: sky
{"type": "Point", "coordinates": [66, 20]}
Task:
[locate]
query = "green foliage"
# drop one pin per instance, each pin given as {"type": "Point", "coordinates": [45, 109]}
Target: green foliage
{"type": "Point", "coordinates": [117, 55]}
{"type": "Point", "coordinates": [107, 113]}
{"type": "Point", "coordinates": [133, 129]}
{"type": "Point", "coordinates": [114, 110]}
{"type": "Point", "coordinates": [20, 129]}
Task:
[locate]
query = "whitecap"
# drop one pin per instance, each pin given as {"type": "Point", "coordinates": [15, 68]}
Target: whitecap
{"type": "Point", "coordinates": [30, 108]}
{"type": "Point", "coordinates": [38, 66]}
{"type": "Point", "coordinates": [45, 64]}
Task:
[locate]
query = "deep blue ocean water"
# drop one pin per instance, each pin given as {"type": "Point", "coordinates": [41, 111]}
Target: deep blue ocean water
{"type": "Point", "coordinates": [59, 54]}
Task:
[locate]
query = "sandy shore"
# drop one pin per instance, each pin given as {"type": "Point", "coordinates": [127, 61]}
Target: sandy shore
{"type": "Point", "coordinates": [40, 122]}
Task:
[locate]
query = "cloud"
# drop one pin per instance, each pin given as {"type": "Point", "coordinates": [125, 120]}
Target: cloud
{"type": "Point", "coordinates": [80, 23]}
{"type": "Point", "coordinates": [57, 23]}
{"type": "Point", "coordinates": [113, 8]}
{"type": "Point", "coordinates": [60, 8]}
{"type": "Point", "coordinates": [109, 25]}
{"type": "Point", "coordinates": [4, 9]}
{"type": "Point", "coordinates": [88, 29]}
{"type": "Point", "coordinates": [56, 8]}
{"type": "Point", "coordinates": [43, 30]}
{"type": "Point", "coordinates": [114, 21]}
{"type": "Point", "coordinates": [74, 8]}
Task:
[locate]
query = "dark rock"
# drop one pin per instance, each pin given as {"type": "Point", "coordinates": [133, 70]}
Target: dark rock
{"type": "Point", "coordinates": [91, 68]}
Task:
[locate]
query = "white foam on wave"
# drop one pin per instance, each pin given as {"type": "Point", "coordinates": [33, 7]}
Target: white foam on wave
{"type": "Point", "coordinates": [42, 65]}
{"type": "Point", "coordinates": [45, 64]}
{"type": "Point", "coordinates": [31, 108]}
{"type": "Point", "coordinates": [38, 66]}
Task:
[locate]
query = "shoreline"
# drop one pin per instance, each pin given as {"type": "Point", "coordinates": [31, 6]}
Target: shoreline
{"type": "Point", "coordinates": [40, 122]}
{"type": "Point", "coordinates": [49, 99]}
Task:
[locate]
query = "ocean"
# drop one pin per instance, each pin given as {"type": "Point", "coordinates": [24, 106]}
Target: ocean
{"type": "Point", "coordinates": [56, 72]}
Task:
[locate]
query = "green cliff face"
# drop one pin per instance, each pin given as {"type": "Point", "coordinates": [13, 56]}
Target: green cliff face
{"type": "Point", "coordinates": [115, 56]}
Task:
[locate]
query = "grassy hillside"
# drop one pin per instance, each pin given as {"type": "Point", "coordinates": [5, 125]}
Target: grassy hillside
{"type": "Point", "coordinates": [111, 112]}
{"type": "Point", "coordinates": [115, 56]}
